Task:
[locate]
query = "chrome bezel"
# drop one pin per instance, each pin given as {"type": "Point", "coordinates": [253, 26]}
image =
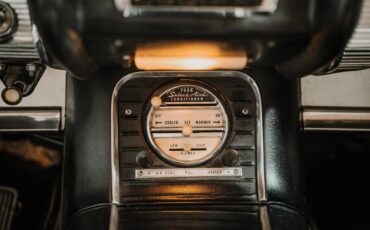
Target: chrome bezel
{"type": "Point", "coordinates": [220, 104]}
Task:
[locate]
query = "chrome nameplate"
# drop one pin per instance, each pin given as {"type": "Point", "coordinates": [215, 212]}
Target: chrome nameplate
{"type": "Point", "coordinates": [188, 173]}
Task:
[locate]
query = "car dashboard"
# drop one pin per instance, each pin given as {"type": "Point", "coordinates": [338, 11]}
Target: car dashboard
{"type": "Point", "coordinates": [169, 114]}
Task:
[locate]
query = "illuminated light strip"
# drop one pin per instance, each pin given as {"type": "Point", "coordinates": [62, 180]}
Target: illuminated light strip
{"type": "Point", "coordinates": [191, 55]}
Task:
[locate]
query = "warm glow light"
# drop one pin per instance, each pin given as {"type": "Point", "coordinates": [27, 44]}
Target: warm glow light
{"type": "Point", "coordinates": [183, 189]}
{"type": "Point", "coordinates": [187, 55]}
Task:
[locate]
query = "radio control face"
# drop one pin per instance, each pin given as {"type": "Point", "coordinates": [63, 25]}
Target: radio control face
{"type": "Point", "coordinates": [186, 123]}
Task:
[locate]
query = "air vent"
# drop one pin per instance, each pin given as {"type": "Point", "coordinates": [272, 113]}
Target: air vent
{"type": "Point", "coordinates": [8, 202]}
{"type": "Point", "coordinates": [235, 8]}
{"type": "Point", "coordinates": [216, 3]}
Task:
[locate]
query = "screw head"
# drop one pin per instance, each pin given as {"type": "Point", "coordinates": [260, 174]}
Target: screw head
{"type": "Point", "coordinates": [128, 112]}
{"type": "Point", "coordinates": [31, 67]}
{"type": "Point", "coordinates": [245, 111]}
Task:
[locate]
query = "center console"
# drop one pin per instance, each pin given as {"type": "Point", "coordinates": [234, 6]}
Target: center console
{"type": "Point", "coordinates": [204, 149]}
{"type": "Point", "coordinates": [188, 136]}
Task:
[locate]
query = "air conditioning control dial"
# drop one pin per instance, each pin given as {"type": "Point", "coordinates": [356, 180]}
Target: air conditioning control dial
{"type": "Point", "coordinates": [186, 123]}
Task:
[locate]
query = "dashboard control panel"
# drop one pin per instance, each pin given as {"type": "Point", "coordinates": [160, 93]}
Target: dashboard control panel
{"type": "Point", "coordinates": [186, 134]}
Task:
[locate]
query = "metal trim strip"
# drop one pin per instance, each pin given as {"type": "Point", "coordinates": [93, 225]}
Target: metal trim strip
{"type": "Point", "coordinates": [30, 120]}
{"type": "Point", "coordinates": [143, 174]}
{"type": "Point", "coordinates": [264, 218]}
{"type": "Point", "coordinates": [336, 119]}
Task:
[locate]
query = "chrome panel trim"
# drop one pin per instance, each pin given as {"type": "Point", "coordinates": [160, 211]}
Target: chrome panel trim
{"type": "Point", "coordinates": [113, 217]}
{"type": "Point", "coordinates": [188, 173]}
{"type": "Point", "coordinates": [264, 218]}
{"type": "Point", "coordinates": [30, 120]}
{"type": "Point", "coordinates": [336, 119]}
{"type": "Point", "coordinates": [261, 183]}
{"type": "Point", "coordinates": [260, 161]}
{"type": "Point", "coordinates": [266, 6]}
{"type": "Point", "coordinates": [115, 190]}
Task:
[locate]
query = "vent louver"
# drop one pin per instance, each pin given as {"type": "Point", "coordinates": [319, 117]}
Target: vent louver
{"type": "Point", "coordinates": [235, 8]}
{"type": "Point", "coordinates": [356, 55]}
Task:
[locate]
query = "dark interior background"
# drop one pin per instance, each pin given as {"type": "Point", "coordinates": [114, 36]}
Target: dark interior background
{"type": "Point", "coordinates": [337, 173]}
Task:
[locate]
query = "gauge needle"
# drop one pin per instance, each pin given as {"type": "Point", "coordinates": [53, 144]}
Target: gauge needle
{"type": "Point", "coordinates": [187, 147]}
{"type": "Point", "coordinates": [187, 130]}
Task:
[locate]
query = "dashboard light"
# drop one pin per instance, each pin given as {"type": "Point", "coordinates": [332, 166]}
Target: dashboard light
{"type": "Point", "coordinates": [193, 55]}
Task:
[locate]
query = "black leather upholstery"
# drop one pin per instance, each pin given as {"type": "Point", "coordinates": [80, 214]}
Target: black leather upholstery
{"type": "Point", "coordinates": [280, 103]}
{"type": "Point", "coordinates": [177, 217]}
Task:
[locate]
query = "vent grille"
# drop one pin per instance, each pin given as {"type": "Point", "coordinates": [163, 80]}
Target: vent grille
{"type": "Point", "coordinates": [23, 44]}
{"type": "Point", "coordinates": [235, 8]}
{"type": "Point", "coordinates": [356, 56]}
{"type": "Point", "coordinates": [196, 2]}
{"type": "Point", "coordinates": [8, 200]}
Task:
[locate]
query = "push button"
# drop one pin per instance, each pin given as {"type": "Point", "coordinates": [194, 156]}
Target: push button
{"type": "Point", "coordinates": [144, 159]}
{"type": "Point", "coordinates": [230, 157]}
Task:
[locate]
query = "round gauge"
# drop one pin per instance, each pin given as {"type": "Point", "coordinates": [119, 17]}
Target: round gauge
{"type": "Point", "coordinates": [186, 123]}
